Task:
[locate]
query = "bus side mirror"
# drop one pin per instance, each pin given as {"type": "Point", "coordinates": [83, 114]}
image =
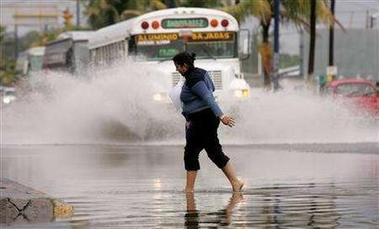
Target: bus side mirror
{"type": "Point", "coordinates": [244, 42]}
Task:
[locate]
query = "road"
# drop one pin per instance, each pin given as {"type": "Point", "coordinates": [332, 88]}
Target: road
{"type": "Point", "coordinates": [133, 185]}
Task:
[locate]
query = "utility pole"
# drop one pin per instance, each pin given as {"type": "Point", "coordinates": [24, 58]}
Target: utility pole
{"type": "Point", "coordinates": [331, 70]}
{"type": "Point", "coordinates": [331, 35]}
{"type": "Point", "coordinates": [77, 13]}
{"type": "Point", "coordinates": [16, 41]}
{"type": "Point", "coordinates": [275, 78]}
{"type": "Point", "coordinates": [312, 42]}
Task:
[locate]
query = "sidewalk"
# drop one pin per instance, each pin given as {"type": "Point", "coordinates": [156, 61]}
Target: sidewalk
{"type": "Point", "coordinates": [22, 204]}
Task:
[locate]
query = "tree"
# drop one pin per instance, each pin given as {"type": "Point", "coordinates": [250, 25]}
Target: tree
{"type": "Point", "coordinates": [292, 11]}
{"type": "Point", "coordinates": [202, 3]}
{"type": "Point", "coordinates": [107, 12]}
{"type": "Point", "coordinates": [2, 33]}
{"type": "Point", "coordinates": [7, 65]}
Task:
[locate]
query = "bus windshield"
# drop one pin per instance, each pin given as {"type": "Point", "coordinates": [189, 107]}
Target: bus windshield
{"type": "Point", "coordinates": [206, 45]}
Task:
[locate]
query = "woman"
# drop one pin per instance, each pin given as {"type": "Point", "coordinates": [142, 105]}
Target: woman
{"type": "Point", "coordinates": [203, 116]}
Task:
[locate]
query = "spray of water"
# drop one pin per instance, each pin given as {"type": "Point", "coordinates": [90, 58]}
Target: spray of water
{"type": "Point", "coordinates": [114, 105]}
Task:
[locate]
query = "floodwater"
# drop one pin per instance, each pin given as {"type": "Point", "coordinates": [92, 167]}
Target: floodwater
{"type": "Point", "coordinates": [101, 145]}
{"type": "Point", "coordinates": [114, 186]}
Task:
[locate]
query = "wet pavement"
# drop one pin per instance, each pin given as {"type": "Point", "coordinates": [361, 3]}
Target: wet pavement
{"type": "Point", "coordinates": [141, 186]}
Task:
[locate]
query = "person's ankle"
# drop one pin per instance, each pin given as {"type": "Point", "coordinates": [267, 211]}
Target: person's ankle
{"type": "Point", "coordinates": [237, 186]}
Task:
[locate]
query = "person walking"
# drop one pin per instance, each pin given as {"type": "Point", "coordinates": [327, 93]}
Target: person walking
{"type": "Point", "coordinates": [203, 116]}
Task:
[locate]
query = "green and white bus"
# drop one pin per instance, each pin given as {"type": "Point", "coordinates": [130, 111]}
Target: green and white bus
{"type": "Point", "coordinates": [154, 38]}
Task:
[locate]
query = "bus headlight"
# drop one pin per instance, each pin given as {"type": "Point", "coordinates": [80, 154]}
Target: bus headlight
{"type": "Point", "coordinates": [242, 93]}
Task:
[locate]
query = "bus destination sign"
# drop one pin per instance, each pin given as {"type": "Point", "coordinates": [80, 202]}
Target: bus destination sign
{"type": "Point", "coordinates": [167, 38]}
{"type": "Point", "coordinates": [177, 23]}
{"type": "Point", "coordinates": [149, 39]}
{"type": "Point", "coordinates": [211, 36]}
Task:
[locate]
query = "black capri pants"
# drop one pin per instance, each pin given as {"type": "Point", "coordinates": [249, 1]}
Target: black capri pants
{"type": "Point", "coordinates": [201, 133]}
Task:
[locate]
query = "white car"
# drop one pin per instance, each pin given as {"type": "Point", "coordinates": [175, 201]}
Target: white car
{"type": "Point", "coordinates": [8, 95]}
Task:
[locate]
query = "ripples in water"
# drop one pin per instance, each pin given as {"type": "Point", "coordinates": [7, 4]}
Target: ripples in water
{"type": "Point", "coordinates": [141, 187]}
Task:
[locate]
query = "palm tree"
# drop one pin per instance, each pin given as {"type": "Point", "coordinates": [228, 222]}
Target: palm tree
{"type": "Point", "coordinates": [137, 7]}
{"type": "Point", "coordinates": [292, 11]}
{"type": "Point", "coordinates": [201, 3]}
{"type": "Point", "coordinates": [264, 12]}
{"type": "Point", "coordinates": [316, 11]}
{"type": "Point", "coordinates": [102, 13]}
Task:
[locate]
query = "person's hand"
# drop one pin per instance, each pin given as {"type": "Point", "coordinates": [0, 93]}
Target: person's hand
{"type": "Point", "coordinates": [227, 120]}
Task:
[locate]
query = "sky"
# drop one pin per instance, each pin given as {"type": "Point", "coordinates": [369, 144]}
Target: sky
{"type": "Point", "coordinates": [351, 13]}
{"type": "Point", "coordinates": [35, 7]}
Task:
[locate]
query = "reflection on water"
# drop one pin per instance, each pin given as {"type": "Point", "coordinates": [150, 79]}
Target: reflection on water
{"type": "Point", "coordinates": [299, 186]}
{"type": "Point", "coordinates": [195, 218]}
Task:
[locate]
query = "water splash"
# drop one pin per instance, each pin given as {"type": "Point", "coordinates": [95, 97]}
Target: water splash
{"type": "Point", "coordinates": [114, 105]}
{"type": "Point", "coordinates": [301, 117]}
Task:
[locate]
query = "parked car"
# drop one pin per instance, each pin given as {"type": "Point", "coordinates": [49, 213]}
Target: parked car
{"type": "Point", "coordinates": [362, 93]}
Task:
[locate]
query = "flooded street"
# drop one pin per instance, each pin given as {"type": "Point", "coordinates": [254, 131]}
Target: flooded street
{"type": "Point", "coordinates": [286, 186]}
{"type": "Point", "coordinates": [104, 147]}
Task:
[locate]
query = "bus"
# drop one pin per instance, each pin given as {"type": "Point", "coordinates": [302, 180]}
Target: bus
{"type": "Point", "coordinates": [30, 60]}
{"type": "Point", "coordinates": [154, 38]}
{"type": "Point", "coordinates": [68, 53]}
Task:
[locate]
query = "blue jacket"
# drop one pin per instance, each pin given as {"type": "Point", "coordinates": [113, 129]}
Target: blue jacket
{"type": "Point", "coordinates": [197, 93]}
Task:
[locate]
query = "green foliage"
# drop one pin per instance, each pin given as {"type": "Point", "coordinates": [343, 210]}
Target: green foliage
{"type": "Point", "coordinates": [102, 13]}
{"type": "Point", "coordinates": [7, 65]}
{"type": "Point", "coordinates": [203, 3]}
{"type": "Point", "coordinates": [288, 60]}
{"type": "Point", "coordinates": [2, 33]}
{"type": "Point", "coordinates": [7, 71]}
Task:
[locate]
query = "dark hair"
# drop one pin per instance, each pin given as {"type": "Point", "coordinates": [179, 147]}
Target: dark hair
{"type": "Point", "coordinates": [184, 58]}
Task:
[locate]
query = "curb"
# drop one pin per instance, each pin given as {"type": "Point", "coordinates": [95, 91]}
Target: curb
{"type": "Point", "coordinates": [22, 204]}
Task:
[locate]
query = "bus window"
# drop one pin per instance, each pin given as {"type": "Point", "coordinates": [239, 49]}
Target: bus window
{"type": "Point", "coordinates": [154, 52]}
{"type": "Point", "coordinates": [213, 50]}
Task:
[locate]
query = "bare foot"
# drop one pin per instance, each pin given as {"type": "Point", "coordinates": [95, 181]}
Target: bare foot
{"type": "Point", "coordinates": [237, 187]}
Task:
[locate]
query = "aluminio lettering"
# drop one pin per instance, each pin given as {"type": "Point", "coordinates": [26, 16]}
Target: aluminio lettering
{"type": "Point", "coordinates": [157, 37]}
